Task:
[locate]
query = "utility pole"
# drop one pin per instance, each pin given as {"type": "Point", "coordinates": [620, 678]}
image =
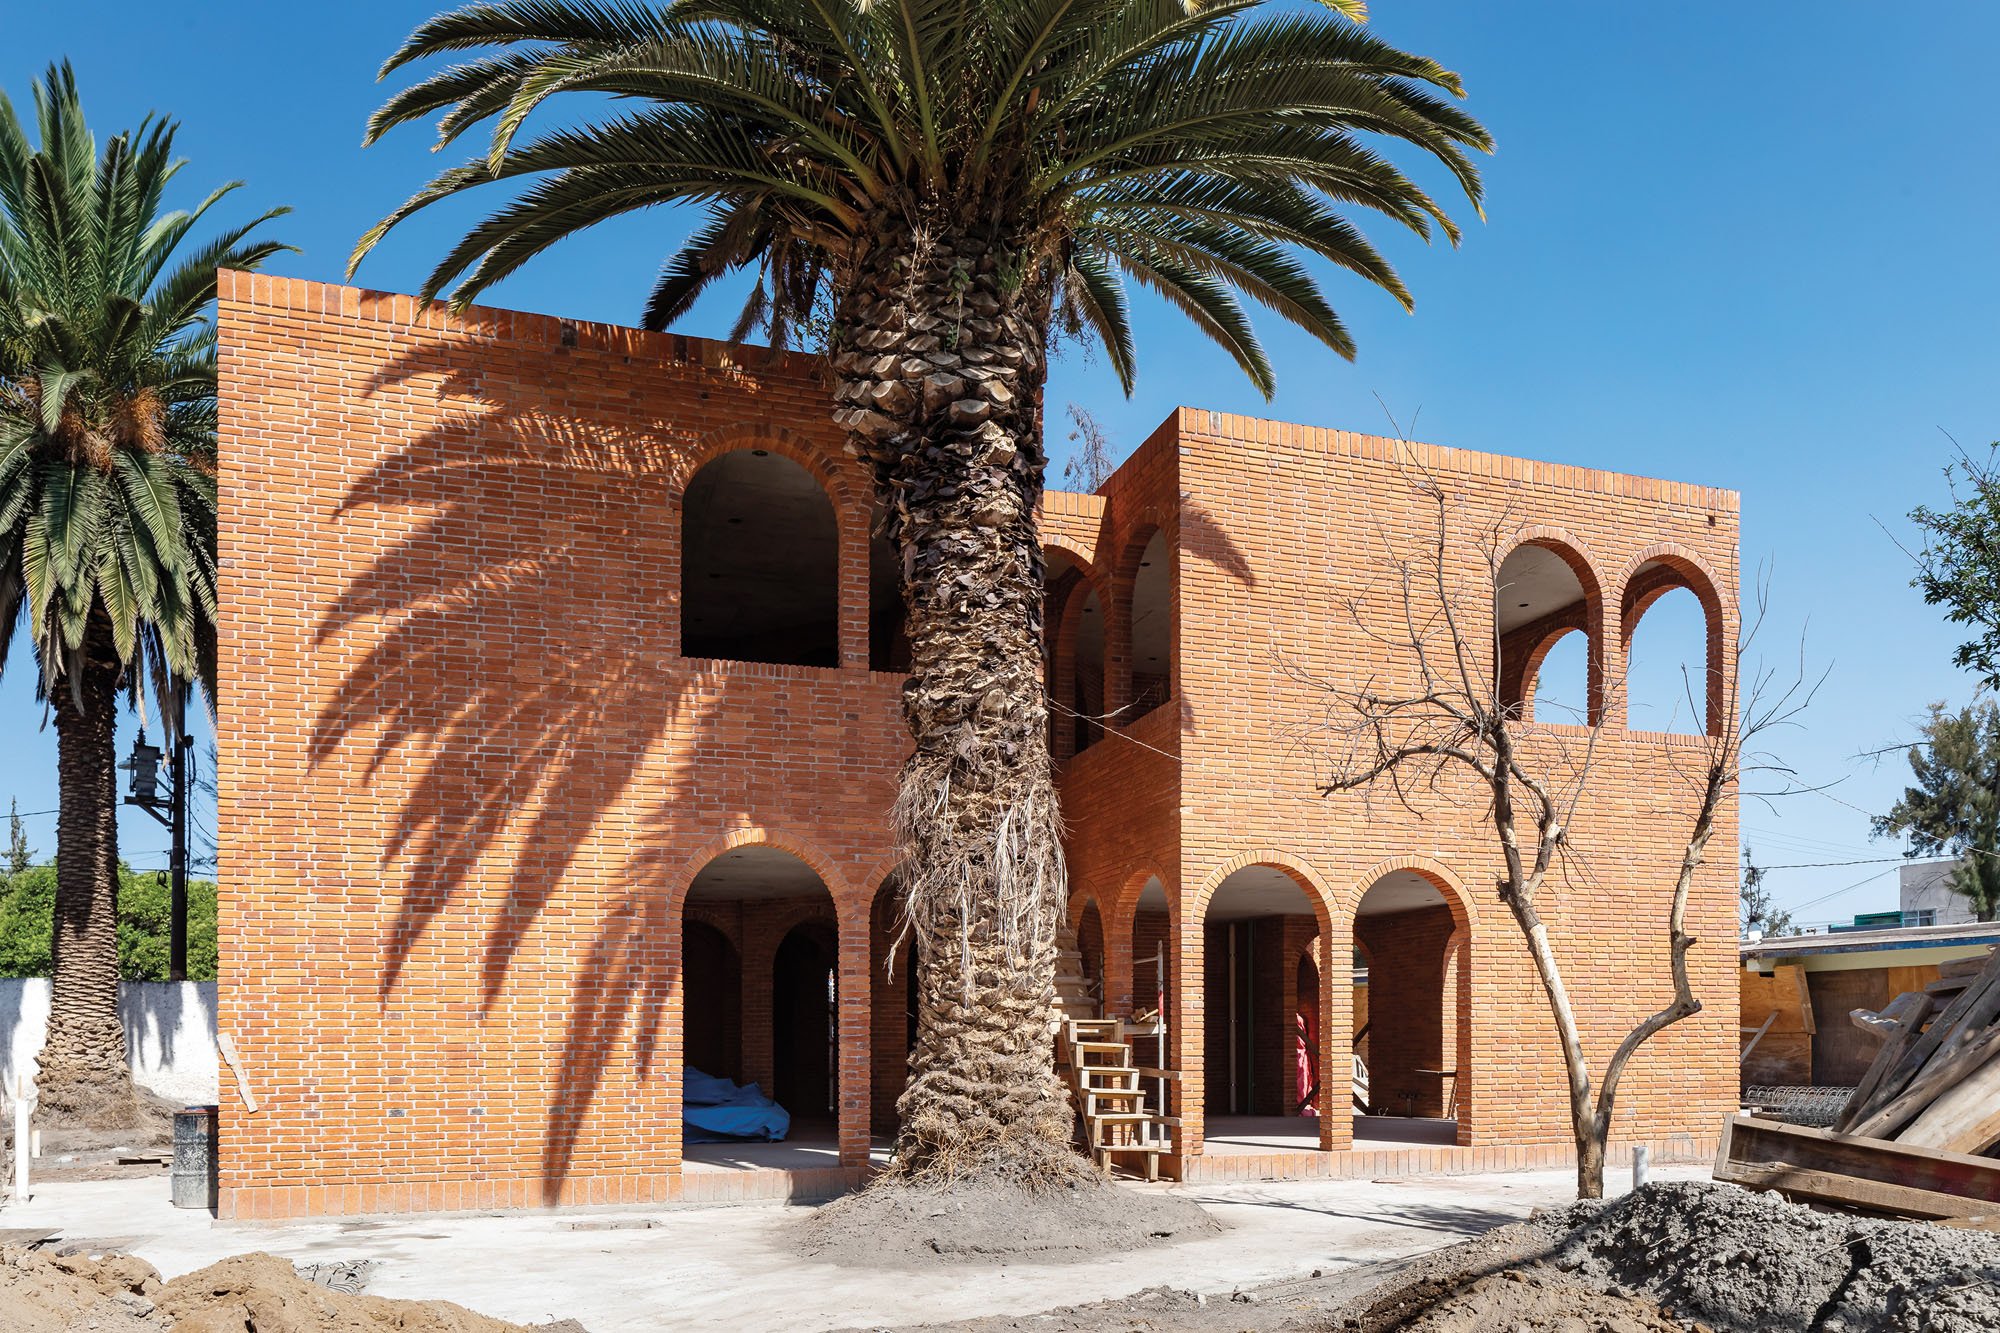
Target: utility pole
{"type": "Point", "coordinates": [177, 863]}
{"type": "Point", "coordinates": [144, 766]}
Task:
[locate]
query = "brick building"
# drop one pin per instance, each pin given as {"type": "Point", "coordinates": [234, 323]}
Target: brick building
{"type": "Point", "coordinates": [561, 716]}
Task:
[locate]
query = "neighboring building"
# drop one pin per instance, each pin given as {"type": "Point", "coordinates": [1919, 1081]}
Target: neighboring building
{"type": "Point", "coordinates": [1807, 985]}
{"type": "Point", "coordinates": [563, 718]}
{"type": "Point", "coordinates": [1925, 897]}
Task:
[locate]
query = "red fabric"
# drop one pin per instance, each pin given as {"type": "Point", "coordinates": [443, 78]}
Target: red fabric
{"type": "Point", "coordinates": [1306, 1054]}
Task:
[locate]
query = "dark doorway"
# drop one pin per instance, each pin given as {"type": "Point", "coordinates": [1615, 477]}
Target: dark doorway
{"type": "Point", "coordinates": [803, 1033]}
{"type": "Point", "coordinates": [713, 1017]}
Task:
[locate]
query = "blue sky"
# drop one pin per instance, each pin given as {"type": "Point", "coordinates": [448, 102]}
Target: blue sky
{"type": "Point", "coordinates": [1746, 245]}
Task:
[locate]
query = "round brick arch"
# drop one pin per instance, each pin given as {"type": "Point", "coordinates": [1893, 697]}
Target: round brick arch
{"type": "Point", "coordinates": [1572, 551]}
{"type": "Point", "coordinates": [817, 861]}
{"type": "Point", "coordinates": [835, 474]}
{"type": "Point", "coordinates": [1680, 568]}
{"type": "Point", "coordinates": [1457, 965]}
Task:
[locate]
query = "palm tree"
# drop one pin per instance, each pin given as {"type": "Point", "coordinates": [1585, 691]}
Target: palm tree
{"type": "Point", "coordinates": [107, 498]}
{"type": "Point", "coordinates": [937, 188]}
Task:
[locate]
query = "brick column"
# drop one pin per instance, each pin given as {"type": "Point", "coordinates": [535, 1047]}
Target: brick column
{"type": "Point", "coordinates": [760, 951]}
{"type": "Point", "coordinates": [856, 1008]}
{"type": "Point", "coordinates": [852, 583]}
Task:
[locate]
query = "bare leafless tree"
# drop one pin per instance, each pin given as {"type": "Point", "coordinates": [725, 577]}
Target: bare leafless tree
{"type": "Point", "coordinates": [1442, 719]}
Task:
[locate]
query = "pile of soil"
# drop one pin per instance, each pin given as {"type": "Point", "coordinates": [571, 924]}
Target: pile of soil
{"type": "Point", "coordinates": [251, 1293]}
{"type": "Point", "coordinates": [969, 1222]}
{"type": "Point", "coordinates": [1743, 1261]}
{"type": "Point", "coordinates": [1680, 1257]}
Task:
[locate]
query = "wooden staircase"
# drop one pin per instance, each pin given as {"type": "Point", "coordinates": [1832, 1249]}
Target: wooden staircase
{"type": "Point", "coordinates": [1105, 1082]}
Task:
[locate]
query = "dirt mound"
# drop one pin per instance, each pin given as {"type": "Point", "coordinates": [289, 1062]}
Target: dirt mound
{"type": "Point", "coordinates": [1540, 1298]}
{"type": "Point", "coordinates": [41, 1291]}
{"type": "Point", "coordinates": [978, 1223]}
{"type": "Point", "coordinates": [251, 1293]}
{"type": "Point", "coordinates": [1757, 1263]}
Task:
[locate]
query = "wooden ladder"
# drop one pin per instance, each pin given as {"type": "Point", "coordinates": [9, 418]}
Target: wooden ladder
{"type": "Point", "coordinates": [1095, 1056]}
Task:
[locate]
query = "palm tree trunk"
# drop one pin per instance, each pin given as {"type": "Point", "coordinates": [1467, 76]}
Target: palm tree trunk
{"type": "Point", "coordinates": [83, 1069]}
{"type": "Point", "coordinates": [941, 361]}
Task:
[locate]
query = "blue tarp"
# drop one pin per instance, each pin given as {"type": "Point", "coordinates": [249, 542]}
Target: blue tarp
{"type": "Point", "coordinates": [714, 1110]}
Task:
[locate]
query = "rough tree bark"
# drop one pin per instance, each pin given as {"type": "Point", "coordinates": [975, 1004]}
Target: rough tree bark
{"type": "Point", "coordinates": [940, 361]}
{"type": "Point", "coordinates": [83, 1067]}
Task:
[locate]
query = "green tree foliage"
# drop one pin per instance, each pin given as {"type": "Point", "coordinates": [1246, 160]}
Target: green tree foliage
{"type": "Point", "coordinates": [1953, 809]}
{"type": "Point", "coordinates": [108, 419]}
{"type": "Point", "coordinates": [27, 924]}
{"type": "Point", "coordinates": [19, 855]}
{"type": "Point", "coordinates": [1958, 566]}
{"type": "Point", "coordinates": [1758, 912]}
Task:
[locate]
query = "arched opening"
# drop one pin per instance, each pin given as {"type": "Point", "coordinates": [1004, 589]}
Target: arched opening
{"type": "Point", "coordinates": [1306, 1072]}
{"type": "Point", "coordinates": [804, 1038]}
{"type": "Point", "coordinates": [1086, 701]}
{"type": "Point", "coordinates": [1544, 597]}
{"type": "Point", "coordinates": [1260, 922]}
{"type": "Point", "coordinates": [1408, 1082]}
{"type": "Point", "coordinates": [1152, 629]}
{"type": "Point", "coordinates": [892, 1007]}
{"type": "Point", "coordinates": [888, 639]}
{"type": "Point", "coordinates": [759, 563]}
{"type": "Point", "coordinates": [712, 1007]}
{"type": "Point", "coordinates": [1670, 653]}
{"type": "Point", "coordinates": [1152, 980]}
{"type": "Point", "coordinates": [1562, 681]}
{"type": "Point", "coordinates": [1088, 928]}
{"type": "Point", "coordinates": [768, 1072]}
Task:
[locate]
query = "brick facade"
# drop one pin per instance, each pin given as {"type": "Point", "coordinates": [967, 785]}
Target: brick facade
{"type": "Point", "coordinates": [467, 779]}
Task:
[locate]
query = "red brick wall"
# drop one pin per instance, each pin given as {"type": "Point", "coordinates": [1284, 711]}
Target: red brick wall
{"type": "Point", "coordinates": [1284, 528]}
{"type": "Point", "coordinates": [467, 779]}
{"type": "Point", "coordinates": [1407, 986]}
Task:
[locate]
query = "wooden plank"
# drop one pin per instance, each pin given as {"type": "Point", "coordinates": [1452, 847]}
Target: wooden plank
{"type": "Point", "coordinates": [1964, 1118]}
{"type": "Point", "coordinates": [1978, 1003]}
{"type": "Point", "coordinates": [1951, 1065]}
{"type": "Point", "coordinates": [1964, 967]}
{"type": "Point", "coordinates": [1796, 1182]}
{"type": "Point", "coordinates": [1909, 1013]}
{"type": "Point", "coordinates": [1749, 1141]}
{"type": "Point", "coordinates": [1803, 991]}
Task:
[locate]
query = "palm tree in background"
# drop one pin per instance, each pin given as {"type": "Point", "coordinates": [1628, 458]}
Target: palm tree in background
{"type": "Point", "coordinates": [107, 499]}
{"type": "Point", "coordinates": [934, 189]}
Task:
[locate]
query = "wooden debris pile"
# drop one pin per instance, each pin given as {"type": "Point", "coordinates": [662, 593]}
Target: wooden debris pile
{"type": "Point", "coordinates": [1920, 1135]}
{"type": "Point", "coordinates": [1935, 1083]}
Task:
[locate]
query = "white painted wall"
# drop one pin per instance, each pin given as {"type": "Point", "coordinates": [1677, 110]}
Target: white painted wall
{"type": "Point", "coordinates": [169, 1030]}
{"type": "Point", "coordinates": [1923, 886]}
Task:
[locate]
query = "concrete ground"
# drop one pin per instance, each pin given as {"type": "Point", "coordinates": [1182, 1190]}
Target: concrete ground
{"type": "Point", "coordinates": [714, 1267]}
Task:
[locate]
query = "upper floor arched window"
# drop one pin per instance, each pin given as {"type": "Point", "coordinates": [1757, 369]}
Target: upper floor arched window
{"type": "Point", "coordinates": [759, 563]}
{"type": "Point", "coordinates": [1545, 614]}
{"type": "Point", "coordinates": [1152, 603]}
{"type": "Point", "coordinates": [1671, 650]}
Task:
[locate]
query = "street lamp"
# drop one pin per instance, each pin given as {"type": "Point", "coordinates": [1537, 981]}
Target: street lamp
{"type": "Point", "coordinates": [144, 792]}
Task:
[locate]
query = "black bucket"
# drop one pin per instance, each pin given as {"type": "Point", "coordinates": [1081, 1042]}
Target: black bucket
{"type": "Point", "coordinates": [194, 1157]}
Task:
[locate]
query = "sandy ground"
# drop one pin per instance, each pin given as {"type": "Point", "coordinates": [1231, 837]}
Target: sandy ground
{"type": "Point", "coordinates": [737, 1268]}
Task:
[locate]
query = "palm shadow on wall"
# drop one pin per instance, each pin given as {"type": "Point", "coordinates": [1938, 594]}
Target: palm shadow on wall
{"type": "Point", "coordinates": [518, 667]}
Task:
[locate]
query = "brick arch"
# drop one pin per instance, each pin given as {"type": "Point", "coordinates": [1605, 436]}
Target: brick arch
{"type": "Point", "coordinates": [1317, 888]}
{"type": "Point", "coordinates": [834, 474]}
{"type": "Point", "coordinates": [1441, 876]}
{"type": "Point", "coordinates": [1062, 658]}
{"type": "Point", "coordinates": [1523, 649]}
{"type": "Point", "coordinates": [819, 862]}
{"type": "Point", "coordinates": [1056, 541]}
{"type": "Point", "coordinates": [1118, 652]}
{"type": "Point", "coordinates": [1334, 1126]}
{"type": "Point", "coordinates": [1455, 961]}
{"type": "Point", "coordinates": [848, 494]}
{"type": "Point", "coordinates": [1674, 567]}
